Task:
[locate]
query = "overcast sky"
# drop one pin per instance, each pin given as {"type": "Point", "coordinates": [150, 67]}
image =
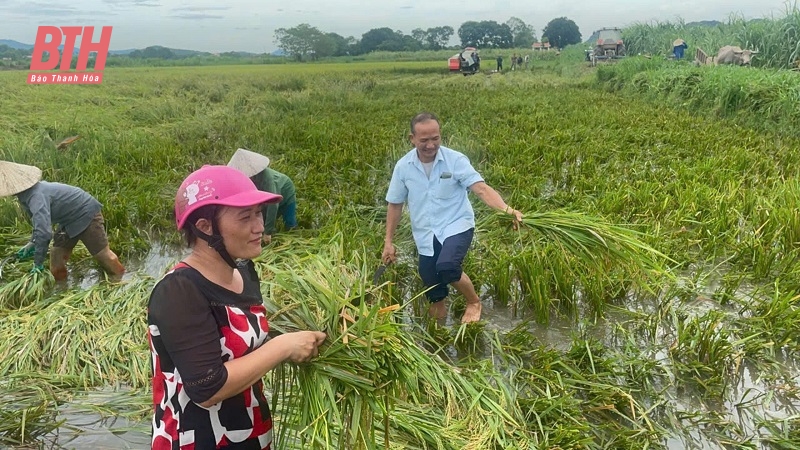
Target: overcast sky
{"type": "Point", "coordinates": [249, 25]}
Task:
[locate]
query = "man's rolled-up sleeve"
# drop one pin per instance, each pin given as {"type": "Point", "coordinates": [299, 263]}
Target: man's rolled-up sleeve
{"type": "Point", "coordinates": [397, 192]}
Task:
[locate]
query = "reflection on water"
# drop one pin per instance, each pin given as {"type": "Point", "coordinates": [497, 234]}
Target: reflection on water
{"type": "Point", "coordinates": [91, 431]}
{"type": "Point", "coordinates": [85, 272]}
{"type": "Point", "coordinates": [157, 261]}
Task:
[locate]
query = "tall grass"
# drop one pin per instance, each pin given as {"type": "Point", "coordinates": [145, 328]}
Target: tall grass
{"type": "Point", "coordinates": [776, 38]}
{"type": "Point", "coordinates": [765, 100]}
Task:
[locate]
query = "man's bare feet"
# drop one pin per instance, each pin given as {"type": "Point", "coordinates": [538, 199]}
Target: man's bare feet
{"type": "Point", "coordinates": [438, 310]}
{"type": "Point", "coordinates": [472, 313]}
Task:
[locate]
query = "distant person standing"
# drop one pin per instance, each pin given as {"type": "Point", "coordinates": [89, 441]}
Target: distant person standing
{"type": "Point", "coordinates": [500, 63]}
{"type": "Point", "coordinates": [527, 60]}
{"type": "Point", "coordinates": [678, 48]}
{"type": "Point", "coordinates": [513, 61]}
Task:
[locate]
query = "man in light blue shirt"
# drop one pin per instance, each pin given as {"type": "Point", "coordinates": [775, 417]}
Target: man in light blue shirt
{"type": "Point", "coordinates": [434, 180]}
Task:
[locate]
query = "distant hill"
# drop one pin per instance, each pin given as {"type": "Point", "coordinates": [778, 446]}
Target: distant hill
{"type": "Point", "coordinates": [177, 51]}
{"type": "Point", "coordinates": [121, 52]}
{"type": "Point", "coordinates": [16, 45]}
{"type": "Point", "coordinates": [704, 23]}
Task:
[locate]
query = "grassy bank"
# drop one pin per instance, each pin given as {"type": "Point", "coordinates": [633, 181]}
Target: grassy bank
{"type": "Point", "coordinates": [764, 100]}
{"type": "Point", "coordinates": [776, 38]}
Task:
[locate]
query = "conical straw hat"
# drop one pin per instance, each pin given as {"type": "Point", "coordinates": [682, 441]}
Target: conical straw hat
{"type": "Point", "coordinates": [15, 178]}
{"type": "Point", "coordinates": [247, 162]}
{"type": "Point", "coordinates": [678, 42]}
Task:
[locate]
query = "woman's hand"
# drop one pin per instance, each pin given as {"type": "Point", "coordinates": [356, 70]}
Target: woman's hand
{"type": "Point", "coordinates": [303, 346]}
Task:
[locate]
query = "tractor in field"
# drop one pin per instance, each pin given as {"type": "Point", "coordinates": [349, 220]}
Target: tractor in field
{"type": "Point", "coordinates": [608, 47]}
{"type": "Point", "coordinates": [467, 62]}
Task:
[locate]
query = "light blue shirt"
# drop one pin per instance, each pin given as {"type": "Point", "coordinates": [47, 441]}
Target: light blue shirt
{"type": "Point", "coordinates": [438, 205]}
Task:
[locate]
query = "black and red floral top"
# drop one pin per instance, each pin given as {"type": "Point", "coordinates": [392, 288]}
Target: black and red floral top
{"type": "Point", "coordinates": [195, 326]}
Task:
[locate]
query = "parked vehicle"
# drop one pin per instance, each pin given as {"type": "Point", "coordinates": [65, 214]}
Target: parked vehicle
{"type": "Point", "coordinates": [467, 61]}
{"type": "Point", "coordinates": [609, 46]}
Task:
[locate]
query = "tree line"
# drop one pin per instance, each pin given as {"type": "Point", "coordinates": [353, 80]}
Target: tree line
{"type": "Point", "coordinates": [308, 42]}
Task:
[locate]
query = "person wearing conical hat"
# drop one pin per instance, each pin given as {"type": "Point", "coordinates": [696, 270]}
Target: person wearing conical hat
{"type": "Point", "coordinates": [678, 46]}
{"type": "Point", "coordinates": [256, 166]}
{"type": "Point", "coordinates": [75, 212]}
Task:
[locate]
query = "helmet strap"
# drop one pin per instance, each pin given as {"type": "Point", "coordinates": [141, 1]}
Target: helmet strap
{"type": "Point", "coordinates": [215, 241]}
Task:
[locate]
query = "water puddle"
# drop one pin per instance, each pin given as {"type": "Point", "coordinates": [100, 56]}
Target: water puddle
{"type": "Point", "coordinates": [98, 420]}
{"type": "Point", "coordinates": [696, 421]}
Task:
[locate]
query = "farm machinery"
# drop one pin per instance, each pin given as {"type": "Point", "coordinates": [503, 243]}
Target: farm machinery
{"type": "Point", "coordinates": [467, 62]}
{"type": "Point", "coordinates": [608, 47]}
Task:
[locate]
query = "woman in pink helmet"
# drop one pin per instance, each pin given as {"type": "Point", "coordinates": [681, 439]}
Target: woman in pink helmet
{"type": "Point", "coordinates": [208, 325]}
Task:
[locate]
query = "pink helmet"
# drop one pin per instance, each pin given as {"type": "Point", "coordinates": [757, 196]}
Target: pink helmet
{"type": "Point", "coordinates": [217, 185]}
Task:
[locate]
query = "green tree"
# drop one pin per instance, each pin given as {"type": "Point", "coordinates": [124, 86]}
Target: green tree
{"type": "Point", "coordinates": [156, 51]}
{"type": "Point", "coordinates": [381, 39]}
{"type": "Point", "coordinates": [419, 35]}
{"type": "Point", "coordinates": [304, 41]}
{"type": "Point", "coordinates": [523, 34]}
{"type": "Point", "coordinates": [409, 43]}
{"type": "Point", "coordinates": [436, 38]}
{"type": "Point", "coordinates": [341, 44]}
{"type": "Point", "coordinates": [562, 32]}
{"type": "Point", "coordinates": [485, 34]}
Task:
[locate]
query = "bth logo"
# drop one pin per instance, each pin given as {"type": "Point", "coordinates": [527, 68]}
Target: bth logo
{"type": "Point", "coordinates": [87, 49]}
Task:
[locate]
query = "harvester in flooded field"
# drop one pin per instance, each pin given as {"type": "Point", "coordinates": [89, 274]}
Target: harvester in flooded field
{"type": "Point", "coordinates": [466, 61]}
{"type": "Point", "coordinates": [608, 47]}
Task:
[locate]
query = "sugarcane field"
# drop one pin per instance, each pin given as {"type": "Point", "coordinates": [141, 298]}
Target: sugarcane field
{"type": "Point", "coordinates": [632, 271]}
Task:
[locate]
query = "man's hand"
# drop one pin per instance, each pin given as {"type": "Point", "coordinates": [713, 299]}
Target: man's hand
{"type": "Point", "coordinates": [389, 253]}
{"type": "Point", "coordinates": [517, 217]}
{"type": "Point", "coordinates": [26, 252]}
{"type": "Point", "coordinates": [266, 239]}
{"type": "Point", "coordinates": [37, 268]}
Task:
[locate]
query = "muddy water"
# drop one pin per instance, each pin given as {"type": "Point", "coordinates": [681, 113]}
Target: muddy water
{"type": "Point", "coordinates": [89, 430]}
{"type": "Point", "coordinates": [84, 430]}
{"type": "Point", "coordinates": [748, 399]}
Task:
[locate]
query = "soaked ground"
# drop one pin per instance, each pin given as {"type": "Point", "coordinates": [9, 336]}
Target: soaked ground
{"type": "Point", "coordinates": [90, 430]}
{"type": "Point", "coordinates": [750, 398]}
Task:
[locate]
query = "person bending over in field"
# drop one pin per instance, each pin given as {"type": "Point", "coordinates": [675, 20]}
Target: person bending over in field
{"type": "Point", "coordinates": [208, 324]}
{"type": "Point", "coordinates": [434, 180]}
{"type": "Point", "coordinates": [76, 213]}
{"type": "Point", "coordinates": [256, 166]}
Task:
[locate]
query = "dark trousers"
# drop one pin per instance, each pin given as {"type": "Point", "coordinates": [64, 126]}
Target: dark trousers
{"type": "Point", "coordinates": [444, 267]}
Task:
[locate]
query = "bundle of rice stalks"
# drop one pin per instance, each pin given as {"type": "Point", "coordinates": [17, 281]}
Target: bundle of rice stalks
{"type": "Point", "coordinates": [562, 258]}
{"type": "Point", "coordinates": [28, 408]}
{"type": "Point", "coordinates": [26, 289]}
{"type": "Point", "coordinates": [592, 238]}
{"type": "Point", "coordinates": [371, 376]}
{"type": "Point", "coordinates": [94, 334]}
